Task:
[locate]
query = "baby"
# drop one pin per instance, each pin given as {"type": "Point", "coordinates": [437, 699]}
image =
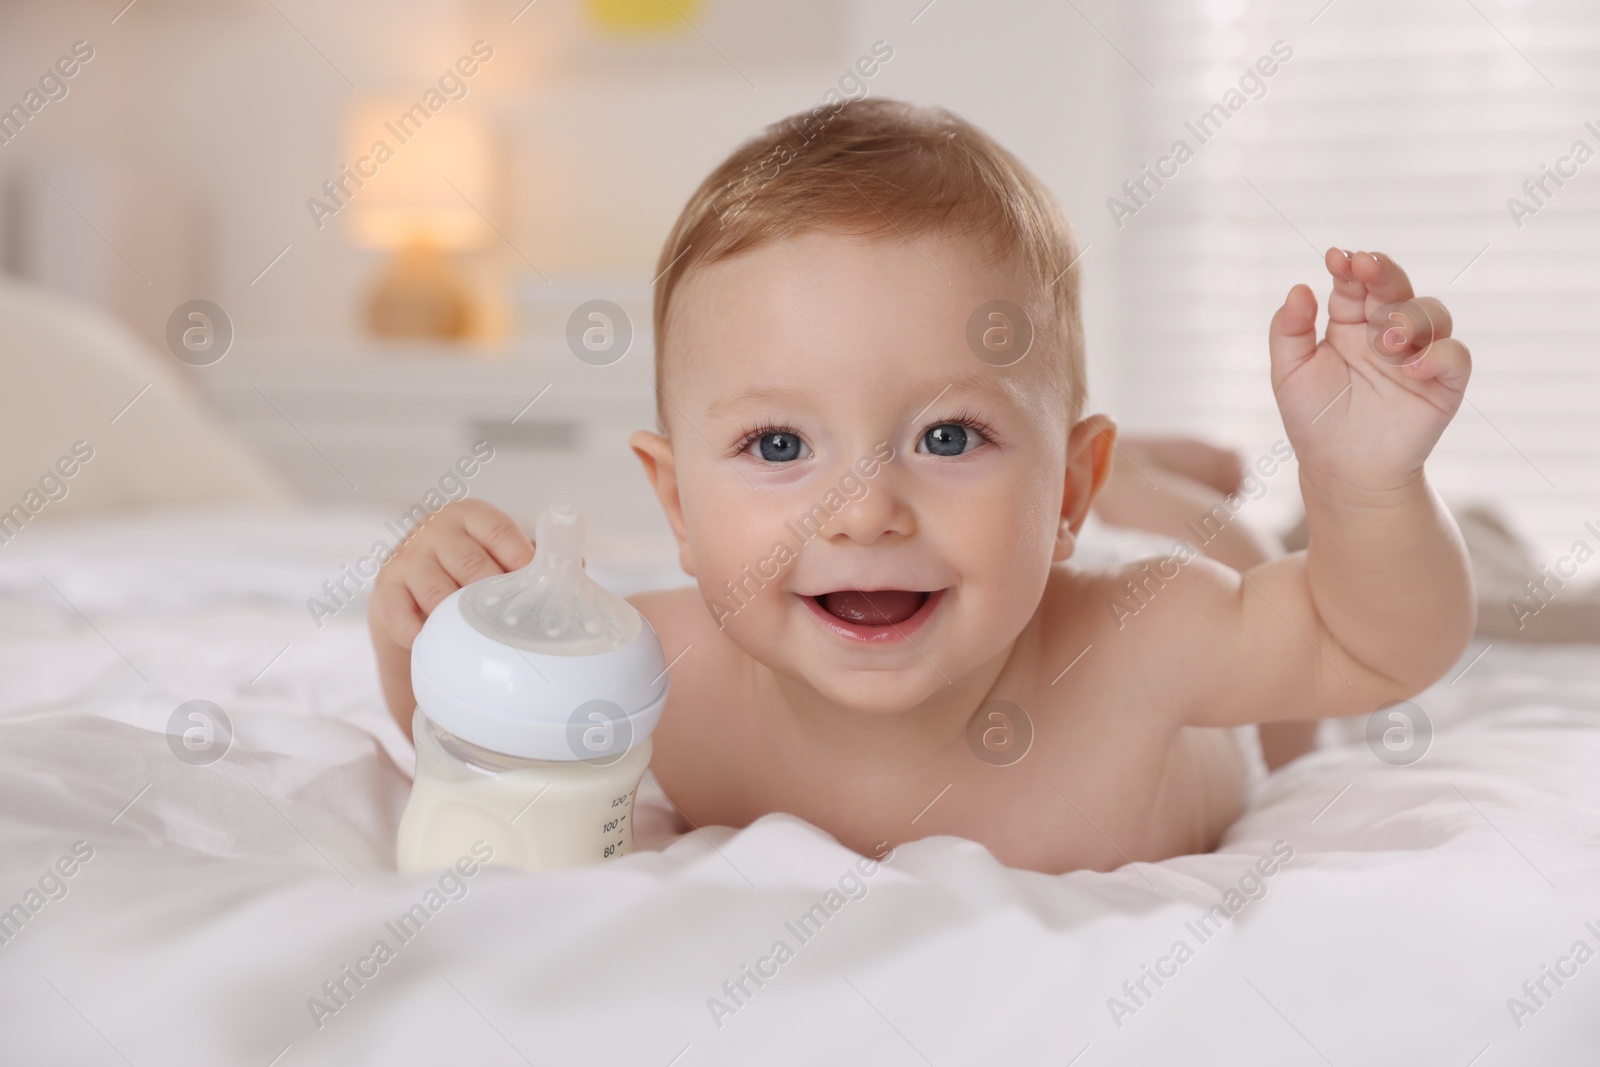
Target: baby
{"type": "Point", "coordinates": [873, 455]}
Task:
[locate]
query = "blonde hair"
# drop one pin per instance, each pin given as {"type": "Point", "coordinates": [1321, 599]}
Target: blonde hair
{"type": "Point", "coordinates": [889, 169]}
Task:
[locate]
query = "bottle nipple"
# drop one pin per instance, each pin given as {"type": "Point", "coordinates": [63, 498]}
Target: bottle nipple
{"type": "Point", "coordinates": [551, 605]}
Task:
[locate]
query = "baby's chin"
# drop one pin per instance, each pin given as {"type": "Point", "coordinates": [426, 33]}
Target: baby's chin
{"type": "Point", "coordinates": [900, 680]}
{"type": "Point", "coordinates": [877, 692]}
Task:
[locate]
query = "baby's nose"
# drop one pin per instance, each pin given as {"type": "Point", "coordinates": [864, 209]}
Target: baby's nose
{"type": "Point", "coordinates": [872, 508]}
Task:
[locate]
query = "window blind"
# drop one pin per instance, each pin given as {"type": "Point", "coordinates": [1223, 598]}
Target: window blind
{"type": "Point", "coordinates": [1410, 128]}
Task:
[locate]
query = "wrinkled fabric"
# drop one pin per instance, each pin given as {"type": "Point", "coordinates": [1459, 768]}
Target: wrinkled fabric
{"type": "Point", "coordinates": [229, 911]}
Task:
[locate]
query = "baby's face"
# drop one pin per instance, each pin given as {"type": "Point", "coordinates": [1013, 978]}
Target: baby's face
{"type": "Point", "coordinates": [884, 504]}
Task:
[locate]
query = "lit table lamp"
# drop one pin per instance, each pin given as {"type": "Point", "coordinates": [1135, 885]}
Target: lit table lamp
{"type": "Point", "coordinates": [644, 16]}
{"type": "Point", "coordinates": [423, 178]}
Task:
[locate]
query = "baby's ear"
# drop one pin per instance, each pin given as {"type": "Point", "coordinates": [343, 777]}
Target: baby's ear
{"type": "Point", "coordinates": [1090, 447]}
{"type": "Point", "coordinates": [660, 466]}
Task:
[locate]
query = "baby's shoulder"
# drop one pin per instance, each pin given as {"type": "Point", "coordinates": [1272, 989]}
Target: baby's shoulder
{"type": "Point", "coordinates": [1112, 638]}
{"type": "Point", "coordinates": [695, 646]}
{"type": "Point", "coordinates": [677, 615]}
{"type": "Point", "coordinates": [1127, 607]}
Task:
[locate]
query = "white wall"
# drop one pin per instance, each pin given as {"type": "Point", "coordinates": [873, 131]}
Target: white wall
{"type": "Point", "coordinates": [602, 140]}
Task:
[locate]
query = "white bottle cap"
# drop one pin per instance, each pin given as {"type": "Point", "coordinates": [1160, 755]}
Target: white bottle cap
{"type": "Point", "coordinates": [543, 662]}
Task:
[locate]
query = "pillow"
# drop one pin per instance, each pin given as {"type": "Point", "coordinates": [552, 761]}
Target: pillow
{"type": "Point", "coordinates": [73, 444]}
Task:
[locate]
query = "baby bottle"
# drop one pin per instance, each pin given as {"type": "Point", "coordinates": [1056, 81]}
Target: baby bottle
{"type": "Point", "coordinates": [536, 693]}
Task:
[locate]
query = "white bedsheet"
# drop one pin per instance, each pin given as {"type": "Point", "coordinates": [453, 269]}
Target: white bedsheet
{"type": "Point", "coordinates": [219, 899]}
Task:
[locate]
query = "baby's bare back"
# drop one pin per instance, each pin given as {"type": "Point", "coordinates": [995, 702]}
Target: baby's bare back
{"type": "Point", "coordinates": [1110, 774]}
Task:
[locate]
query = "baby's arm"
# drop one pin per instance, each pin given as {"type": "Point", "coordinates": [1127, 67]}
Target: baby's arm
{"type": "Point", "coordinates": [1380, 604]}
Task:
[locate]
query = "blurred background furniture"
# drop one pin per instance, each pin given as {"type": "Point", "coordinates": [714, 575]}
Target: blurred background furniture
{"type": "Point", "coordinates": [73, 373]}
{"type": "Point", "coordinates": [377, 423]}
{"type": "Point", "coordinates": [181, 162]}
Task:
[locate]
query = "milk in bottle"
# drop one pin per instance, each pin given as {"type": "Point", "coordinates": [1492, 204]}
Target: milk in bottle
{"type": "Point", "coordinates": [536, 694]}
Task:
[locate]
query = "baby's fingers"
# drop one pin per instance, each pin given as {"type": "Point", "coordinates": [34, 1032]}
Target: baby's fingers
{"type": "Point", "coordinates": [1446, 361]}
{"type": "Point", "coordinates": [1385, 281]}
{"type": "Point", "coordinates": [1399, 331]}
{"type": "Point", "coordinates": [1348, 300]}
{"type": "Point", "coordinates": [429, 583]}
{"type": "Point", "coordinates": [465, 560]}
{"type": "Point", "coordinates": [395, 613]}
{"type": "Point", "coordinates": [1292, 337]}
{"type": "Point", "coordinates": [498, 533]}
{"type": "Point", "coordinates": [1360, 276]}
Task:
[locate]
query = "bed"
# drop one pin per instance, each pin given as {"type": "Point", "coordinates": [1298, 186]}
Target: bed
{"type": "Point", "coordinates": [228, 910]}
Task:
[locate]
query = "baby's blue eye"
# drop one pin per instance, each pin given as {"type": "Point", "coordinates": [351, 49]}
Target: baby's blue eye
{"type": "Point", "coordinates": [780, 447]}
{"type": "Point", "coordinates": [946, 439]}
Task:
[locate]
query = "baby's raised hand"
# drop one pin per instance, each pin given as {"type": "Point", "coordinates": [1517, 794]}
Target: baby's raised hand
{"type": "Point", "coordinates": [1364, 407]}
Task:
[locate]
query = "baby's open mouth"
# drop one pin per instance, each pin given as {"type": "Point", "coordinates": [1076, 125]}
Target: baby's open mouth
{"type": "Point", "coordinates": [879, 607]}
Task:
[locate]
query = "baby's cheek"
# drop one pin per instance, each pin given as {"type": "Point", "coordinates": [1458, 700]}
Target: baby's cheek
{"type": "Point", "coordinates": [1013, 526]}
{"type": "Point", "coordinates": [1013, 590]}
{"type": "Point", "coordinates": [733, 543]}
{"type": "Point", "coordinates": [1007, 567]}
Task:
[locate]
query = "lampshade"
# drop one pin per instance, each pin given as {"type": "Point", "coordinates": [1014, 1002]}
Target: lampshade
{"type": "Point", "coordinates": [425, 175]}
